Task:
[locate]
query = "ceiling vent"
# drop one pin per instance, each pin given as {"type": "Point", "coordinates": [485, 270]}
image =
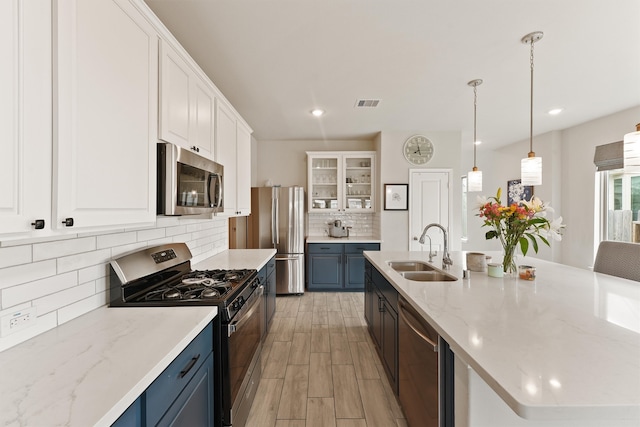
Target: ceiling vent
{"type": "Point", "coordinates": [367, 103]}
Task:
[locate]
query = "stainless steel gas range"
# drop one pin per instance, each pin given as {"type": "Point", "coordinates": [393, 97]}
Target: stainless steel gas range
{"type": "Point", "coordinates": [162, 276]}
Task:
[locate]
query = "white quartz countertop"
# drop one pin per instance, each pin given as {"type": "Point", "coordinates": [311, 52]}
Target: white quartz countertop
{"type": "Point", "coordinates": [350, 239]}
{"type": "Point", "coordinates": [565, 346]}
{"type": "Point", "coordinates": [88, 371]}
{"type": "Point", "coordinates": [237, 258]}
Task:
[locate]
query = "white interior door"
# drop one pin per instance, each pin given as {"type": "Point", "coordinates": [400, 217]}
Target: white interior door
{"type": "Point", "coordinates": [429, 202]}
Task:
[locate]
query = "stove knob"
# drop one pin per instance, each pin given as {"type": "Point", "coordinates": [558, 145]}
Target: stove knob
{"type": "Point", "coordinates": [241, 300]}
{"type": "Point", "coordinates": [236, 305]}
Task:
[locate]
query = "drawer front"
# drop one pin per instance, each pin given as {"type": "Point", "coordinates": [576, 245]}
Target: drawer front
{"type": "Point", "coordinates": [357, 248]}
{"type": "Point", "coordinates": [325, 248]}
{"type": "Point", "coordinates": [164, 390]}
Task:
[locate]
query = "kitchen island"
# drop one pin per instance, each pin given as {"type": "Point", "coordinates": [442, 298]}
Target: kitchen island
{"type": "Point", "coordinates": [562, 350]}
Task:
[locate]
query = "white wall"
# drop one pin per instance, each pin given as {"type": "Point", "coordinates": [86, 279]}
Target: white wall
{"type": "Point", "coordinates": [67, 276]}
{"type": "Point", "coordinates": [568, 182]}
{"type": "Point", "coordinates": [285, 162]}
{"type": "Point", "coordinates": [394, 169]}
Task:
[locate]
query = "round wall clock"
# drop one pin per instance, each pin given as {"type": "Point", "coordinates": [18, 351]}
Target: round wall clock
{"type": "Point", "coordinates": [418, 150]}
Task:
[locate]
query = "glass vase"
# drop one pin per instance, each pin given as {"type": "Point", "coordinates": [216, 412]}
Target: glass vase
{"type": "Point", "coordinates": [509, 261]}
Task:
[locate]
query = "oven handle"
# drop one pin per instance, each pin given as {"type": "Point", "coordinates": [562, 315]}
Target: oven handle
{"type": "Point", "coordinates": [246, 312]}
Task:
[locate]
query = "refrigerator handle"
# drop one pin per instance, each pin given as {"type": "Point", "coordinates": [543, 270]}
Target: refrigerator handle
{"type": "Point", "coordinates": [275, 219]}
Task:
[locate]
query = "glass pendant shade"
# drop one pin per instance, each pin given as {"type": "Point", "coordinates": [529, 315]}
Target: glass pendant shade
{"type": "Point", "coordinates": [474, 180]}
{"type": "Point", "coordinates": [632, 151]}
{"type": "Point", "coordinates": [531, 170]}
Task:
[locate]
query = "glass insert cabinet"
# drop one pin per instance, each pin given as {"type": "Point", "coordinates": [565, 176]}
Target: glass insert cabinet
{"type": "Point", "coordinates": [341, 181]}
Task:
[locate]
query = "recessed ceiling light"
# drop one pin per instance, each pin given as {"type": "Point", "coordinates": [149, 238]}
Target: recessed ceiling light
{"type": "Point", "coordinates": [555, 111]}
{"type": "Point", "coordinates": [317, 112]}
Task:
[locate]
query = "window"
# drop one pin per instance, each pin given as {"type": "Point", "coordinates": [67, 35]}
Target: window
{"type": "Point", "coordinates": [620, 204]}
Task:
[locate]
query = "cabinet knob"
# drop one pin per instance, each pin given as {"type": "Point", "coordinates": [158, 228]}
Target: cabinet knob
{"type": "Point", "coordinates": [68, 222]}
{"type": "Point", "coordinates": [38, 224]}
{"type": "Point", "coordinates": [194, 148]}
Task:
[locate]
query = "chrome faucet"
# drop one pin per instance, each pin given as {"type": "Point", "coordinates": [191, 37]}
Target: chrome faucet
{"type": "Point", "coordinates": [446, 259]}
{"type": "Point", "coordinates": [431, 253]}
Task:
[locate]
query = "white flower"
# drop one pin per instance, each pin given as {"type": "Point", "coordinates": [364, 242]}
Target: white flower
{"type": "Point", "coordinates": [553, 229]}
{"type": "Point", "coordinates": [538, 206]}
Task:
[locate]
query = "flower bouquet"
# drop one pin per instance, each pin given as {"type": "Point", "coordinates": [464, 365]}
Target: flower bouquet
{"type": "Point", "coordinates": [523, 222]}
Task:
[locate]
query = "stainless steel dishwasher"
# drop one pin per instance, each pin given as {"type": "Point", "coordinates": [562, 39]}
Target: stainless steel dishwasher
{"type": "Point", "coordinates": [425, 366]}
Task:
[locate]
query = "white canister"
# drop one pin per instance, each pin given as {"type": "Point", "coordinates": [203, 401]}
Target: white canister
{"type": "Point", "coordinates": [495, 269]}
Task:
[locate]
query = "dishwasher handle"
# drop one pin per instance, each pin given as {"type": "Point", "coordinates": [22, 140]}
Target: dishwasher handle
{"type": "Point", "coordinates": [402, 310]}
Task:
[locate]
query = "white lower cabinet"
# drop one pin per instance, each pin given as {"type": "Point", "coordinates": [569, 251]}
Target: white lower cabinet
{"type": "Point", "coordinates": [25, 116]}
{"type": "Point", "coordinates": [105, 126]}
{"type": "Point", "coordinates": [233, 151]}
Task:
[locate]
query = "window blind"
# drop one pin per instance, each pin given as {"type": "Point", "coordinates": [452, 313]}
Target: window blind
{"type": "Point", "coordinates": [609, 156]}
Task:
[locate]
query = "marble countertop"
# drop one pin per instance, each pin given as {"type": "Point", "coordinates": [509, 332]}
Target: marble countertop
{"type": "Point", "coordinates": [565, 346]}
{"type": "Point", "coordinates": [237, 258]}
{"type": "Point", "coordinates": [350, 239]}
{"type": "Point", "coordinates": [88, 371]}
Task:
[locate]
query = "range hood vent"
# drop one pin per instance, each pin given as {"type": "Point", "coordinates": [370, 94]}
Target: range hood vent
{"type": "Point", "coordinates": [367, 103]}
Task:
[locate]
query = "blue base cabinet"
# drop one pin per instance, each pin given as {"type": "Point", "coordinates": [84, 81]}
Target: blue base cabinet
{"type": "Point", "coordinates": [267, 278]}
{"type": "Point", "coordinates": [337, 266]}
{"type": "Point", "coordinates": [183, 395]}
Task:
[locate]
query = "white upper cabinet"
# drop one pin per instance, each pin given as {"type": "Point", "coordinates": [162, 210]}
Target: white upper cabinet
{"type": "Point", "coordinates": [226, 155]}
{"type": "Point", "coordinates": [243, 169]}
{"type": "Point", "coordinates": [25, 116]}
{"type": "Point", "coordinates": [341, 181]}
{"type": "Point", "coordinates": [106, 82]}
{"type": "Point", "coordinates": [187, 109]}
{"type": "Point", "coordinates": [233, 151]}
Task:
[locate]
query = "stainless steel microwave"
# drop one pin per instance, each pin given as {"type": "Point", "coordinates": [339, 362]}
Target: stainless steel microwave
{"type": "Point", "coordinates": [188, 184]}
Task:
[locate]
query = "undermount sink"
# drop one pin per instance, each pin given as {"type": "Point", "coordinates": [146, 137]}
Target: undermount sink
{"type": "Point", "coordinates": [428, 276]}
{"type": "Point", "coordinates": [410, 266]}
{"type": "Point", "coordinates": [420, 271]}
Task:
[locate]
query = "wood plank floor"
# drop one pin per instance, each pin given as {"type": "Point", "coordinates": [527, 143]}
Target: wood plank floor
{"type": "Point", "coordinates": [320, 367]}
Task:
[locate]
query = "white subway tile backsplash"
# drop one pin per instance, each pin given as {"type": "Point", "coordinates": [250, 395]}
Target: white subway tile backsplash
{"type": "Point", "coordinates": [63, 298]}
{"type": "Point", "coordinates": [151, 234]}
{"type": "Point", "coordinates": [92, 273]}
{"type": "Point", "coordinates": [118, 251]}
{"type": "Point", "coordinates": [75, 262]}
{"type": "Point", "coordinates": [174, 231]}
{"type": "Point", "coordinates": [15, 256]}
{"type": "Point", "coordinates": [24, 273]}
{"type": "Point", "coordinates": [117, 239]}
{"type": "Point", "coordinates": [69, 275]}
{"type": "Point", "coordinates": [38, 288]}
{"type": "Point", "coordinates": [81, 307]}
{"type": "Point", "coordinates": [49, 250]}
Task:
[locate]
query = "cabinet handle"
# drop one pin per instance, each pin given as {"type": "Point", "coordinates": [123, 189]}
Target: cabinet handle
{"type": "Point", "coordinates": [68, 222]}
{"type": "Point", "coordinates": [38, 224]}
{"type": "Point", "coordinates": [196, 149]}
{"type": "Point", "coordinates": [187, 368]}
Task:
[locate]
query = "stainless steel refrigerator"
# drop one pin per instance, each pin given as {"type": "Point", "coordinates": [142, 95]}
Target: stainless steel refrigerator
{"type": "Point", "coordinates": [277, 221]}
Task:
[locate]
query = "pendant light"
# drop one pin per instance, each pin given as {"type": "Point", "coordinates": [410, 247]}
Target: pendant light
{"type": "Point", "coordinates": [475, 176]}
{"type": "Point", "coordinates": [531, 166]}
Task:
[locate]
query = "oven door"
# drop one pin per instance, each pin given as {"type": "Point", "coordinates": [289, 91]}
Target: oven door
{"type": "Point", "coordinates": [241, 360]}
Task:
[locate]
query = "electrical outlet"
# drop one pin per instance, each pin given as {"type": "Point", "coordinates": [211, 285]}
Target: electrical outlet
{"type": "Point", "coordinates": [17, 321]}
